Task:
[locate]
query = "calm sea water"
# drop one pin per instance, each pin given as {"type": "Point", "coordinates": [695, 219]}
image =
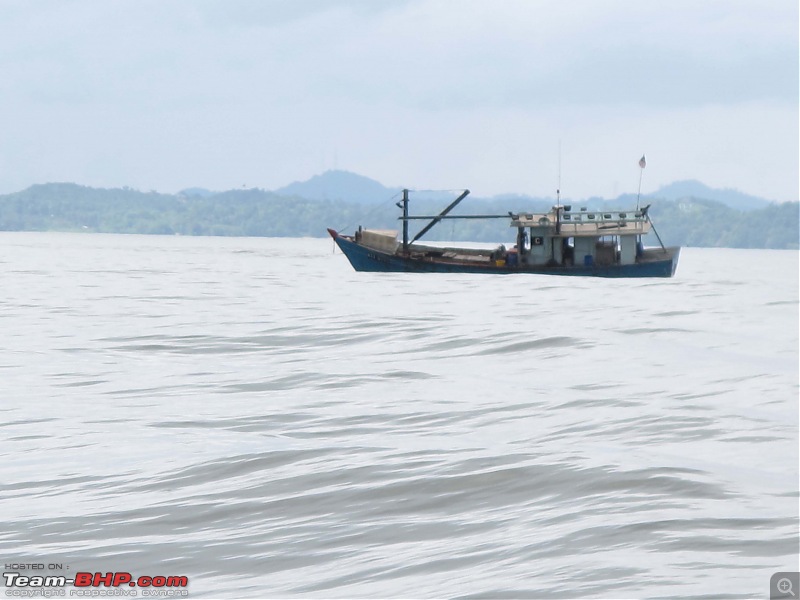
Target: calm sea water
{"type": "Point", "coordinates": [256, 416]}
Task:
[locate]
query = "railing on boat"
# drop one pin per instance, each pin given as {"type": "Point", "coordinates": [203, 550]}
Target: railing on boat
{"type": "Point", "coordinates": [602, 220]}
{"type": "Point", "coordinates": [586, 223]}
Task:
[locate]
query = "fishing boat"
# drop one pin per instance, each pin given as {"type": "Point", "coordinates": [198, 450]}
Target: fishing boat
{"type": "Point", "coordinates": [561, 241]}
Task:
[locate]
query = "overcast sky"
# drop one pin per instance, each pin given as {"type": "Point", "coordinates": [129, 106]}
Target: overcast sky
{"type": "Point", "coordinates": [169, 94]}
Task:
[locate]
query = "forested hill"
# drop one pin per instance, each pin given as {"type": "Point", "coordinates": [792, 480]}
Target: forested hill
{"type": "Point", "coordinates": [69, 207]}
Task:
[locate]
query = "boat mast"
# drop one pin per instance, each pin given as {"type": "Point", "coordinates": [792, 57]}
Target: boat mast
{"type": "Point", "coordinates": [405, 221]}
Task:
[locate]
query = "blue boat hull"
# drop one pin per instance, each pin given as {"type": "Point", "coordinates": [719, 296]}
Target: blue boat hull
{"type": "Point", "coordinates": [367, 259]}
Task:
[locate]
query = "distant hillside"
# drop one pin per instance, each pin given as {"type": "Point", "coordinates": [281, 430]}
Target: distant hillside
{"type": "Point", "coordinates": [254, 212]}
{"type": "Point", "coordinates": [694, 189]}
{"type": "Point", "coordinates": [195, 191]}
{"type": "Point", "coordinates": [340, 186]}
{"type": "Point", "coordinates": [71, 207]}
{"type": "Point", "coordinates": [350, 187]}
{"type": "Point", "coordinates": [706, 223]}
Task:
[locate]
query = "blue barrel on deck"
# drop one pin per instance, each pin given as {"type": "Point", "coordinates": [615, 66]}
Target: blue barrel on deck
{"type": "Point", "coordinates": [588, 260]}
{"type": "Point", "coordinates": [512, 259]}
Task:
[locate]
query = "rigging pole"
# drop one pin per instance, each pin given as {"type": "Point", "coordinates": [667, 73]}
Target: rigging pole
{"type": "Point", "coordinates": [436, 219]}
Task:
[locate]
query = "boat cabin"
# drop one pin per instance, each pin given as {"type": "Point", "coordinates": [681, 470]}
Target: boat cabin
{"type": "Point", "coordinates": [583, 237]}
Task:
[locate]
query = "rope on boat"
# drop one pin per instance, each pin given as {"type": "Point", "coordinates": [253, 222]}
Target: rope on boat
{"type": "Point", "coordinates": [365, 217]}
{"type": "Point", "coordinates": [645, 212]}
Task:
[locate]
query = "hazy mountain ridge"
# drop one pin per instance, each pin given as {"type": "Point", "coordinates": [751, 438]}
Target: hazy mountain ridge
{"type": "Point", "coordinates": [695, 189]}
{"type": "Point", "coordinates": [340, 186]}
{"type": "Point", "coordinates": [351, 187]}
{"type": "Point", "coordinates": [287, 213]}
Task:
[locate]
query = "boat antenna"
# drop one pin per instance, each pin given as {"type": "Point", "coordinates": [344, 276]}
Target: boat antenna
{"type": "Point", "coordinates": [558, 189]}
{"type": "Point", "coordinates": [642, 165]}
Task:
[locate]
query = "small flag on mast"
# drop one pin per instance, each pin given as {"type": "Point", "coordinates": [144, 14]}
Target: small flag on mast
{"type": "Point", "coordinates": [642, 162]}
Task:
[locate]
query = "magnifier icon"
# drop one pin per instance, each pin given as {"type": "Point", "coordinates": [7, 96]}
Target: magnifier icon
{"type": "Point", "coordinates": [784, 586]}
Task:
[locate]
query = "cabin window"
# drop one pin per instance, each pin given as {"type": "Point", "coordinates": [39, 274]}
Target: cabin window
{"type": "Point", "coordinates": [567, 217]}
{"type": "Point", "coordinates": [591, 216]}
{"type": "Point", "coordinates": [623, 216]}
{"type": "Point", "coordinates": [607, 216]}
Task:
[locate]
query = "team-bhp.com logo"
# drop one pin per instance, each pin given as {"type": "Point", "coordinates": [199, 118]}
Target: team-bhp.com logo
{"type": "Point", "coordinates": [121, 583]}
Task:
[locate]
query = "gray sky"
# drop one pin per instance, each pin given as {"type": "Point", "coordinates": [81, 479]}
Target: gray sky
{"type": "Point", "coordinates": [168, 94]}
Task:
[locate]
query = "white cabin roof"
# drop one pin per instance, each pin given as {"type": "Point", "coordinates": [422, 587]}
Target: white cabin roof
{"type": "Point", "coordinates": [585, 223]}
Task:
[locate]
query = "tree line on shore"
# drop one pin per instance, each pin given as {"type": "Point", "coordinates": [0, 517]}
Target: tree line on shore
{"type": "Point", "coordinates": [259, 213]}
